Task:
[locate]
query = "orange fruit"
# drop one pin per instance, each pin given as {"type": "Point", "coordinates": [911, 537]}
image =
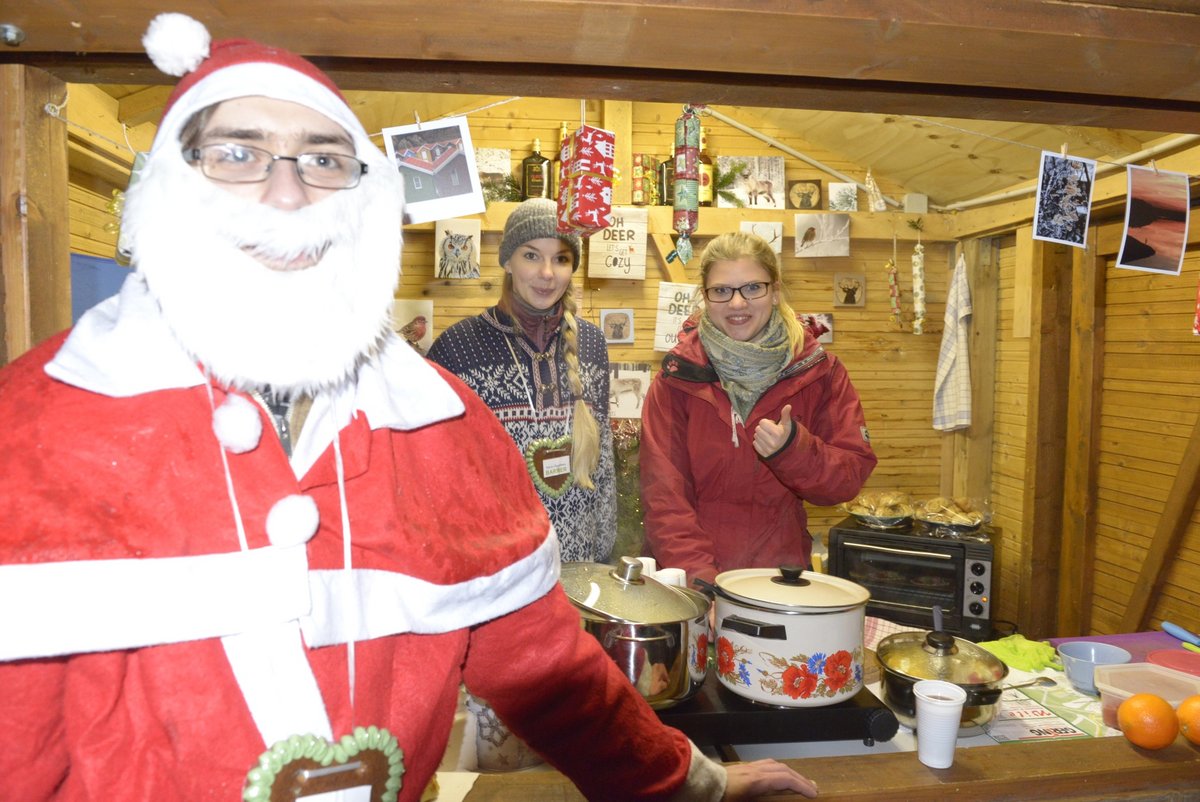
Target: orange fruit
{"type": "Point", "coordinates": [1148, 721]}
{"type": "Point", "coordinates": [1188, 714]}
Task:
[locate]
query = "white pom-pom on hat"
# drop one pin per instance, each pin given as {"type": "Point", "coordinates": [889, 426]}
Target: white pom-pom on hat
{"type": "Point", "coordinates": [292, 520]}
{"type": "Point", "coordinates": [176, 43]}
{"type": "Point", "coordinates": [237, 424]}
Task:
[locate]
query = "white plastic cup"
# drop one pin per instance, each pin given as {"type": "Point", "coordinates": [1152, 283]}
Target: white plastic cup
{"type": "Point", "coordinates": [671, 576]}
{"type": "Point", "coordinates": [939, 713]}
{"type": "Point", "coordinates": [649, 566]}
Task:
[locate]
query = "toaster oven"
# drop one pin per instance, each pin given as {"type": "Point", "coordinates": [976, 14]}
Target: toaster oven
{"type": "Point", "coordinates": [912, 570]}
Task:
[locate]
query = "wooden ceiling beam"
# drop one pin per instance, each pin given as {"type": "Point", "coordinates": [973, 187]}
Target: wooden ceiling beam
{"type": "Point", "coordinates": [1094, 48]}
{"type": "Point", "coordinates": [1047, 61]}
{"type": "Point", "coordinates": [691, 86]}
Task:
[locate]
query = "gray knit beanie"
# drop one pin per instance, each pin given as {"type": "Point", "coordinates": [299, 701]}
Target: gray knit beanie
{"type": "Point", "coordinates": [536, 218]}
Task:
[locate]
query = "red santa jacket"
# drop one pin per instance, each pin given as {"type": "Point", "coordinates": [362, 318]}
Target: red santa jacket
{"type": "Point", "coordinates": [453, 579]}
{"type": "Point", "coordinates": [711, 503]}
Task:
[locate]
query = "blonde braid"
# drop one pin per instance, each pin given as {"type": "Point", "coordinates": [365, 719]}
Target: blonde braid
{"type": "Point", "coordinates": [585, 431]}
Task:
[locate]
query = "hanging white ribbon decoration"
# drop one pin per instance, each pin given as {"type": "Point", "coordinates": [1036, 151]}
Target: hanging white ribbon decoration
{"type": "Point", "coordinates": [918, 291]}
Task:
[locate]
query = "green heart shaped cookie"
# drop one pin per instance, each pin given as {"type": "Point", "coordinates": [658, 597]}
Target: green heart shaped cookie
{"type": "Point", "coordinates": [549, 463]}
{"type": "Point", "coordinates": [303, 765]}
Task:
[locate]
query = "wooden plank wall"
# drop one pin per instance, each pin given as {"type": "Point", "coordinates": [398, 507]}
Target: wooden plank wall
{"type": "Point", "coordinates": [1149, 407]}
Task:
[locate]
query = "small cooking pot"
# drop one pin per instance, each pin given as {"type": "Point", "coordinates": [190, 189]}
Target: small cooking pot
{"type": "Point", "coordinates": [787, 638]}
{"type": "Point", "coordinates": [656, 634]}
{"type": "Point", "coordinates": [910, 656]}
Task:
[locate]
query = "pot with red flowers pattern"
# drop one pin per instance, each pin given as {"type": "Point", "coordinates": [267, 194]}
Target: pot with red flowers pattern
{"type": "Point", "coordinates": [789, 638]}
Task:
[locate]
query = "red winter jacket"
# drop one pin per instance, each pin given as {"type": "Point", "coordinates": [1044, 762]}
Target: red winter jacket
{"type": "Point", "coordinates": [711, 504]}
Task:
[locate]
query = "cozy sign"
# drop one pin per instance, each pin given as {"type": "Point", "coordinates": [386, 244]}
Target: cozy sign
{"type": "Point", "coordinates": [619, 251]}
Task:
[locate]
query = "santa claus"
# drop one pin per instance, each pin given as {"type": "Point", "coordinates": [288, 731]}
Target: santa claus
{"type": "Point", "coordinates": [235, 524]}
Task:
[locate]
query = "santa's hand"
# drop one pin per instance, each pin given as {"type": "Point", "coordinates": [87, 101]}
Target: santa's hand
{"type": "Point", "coordinates": [770, 436]}
{"type": "Point", "coordinates": [752, 780]}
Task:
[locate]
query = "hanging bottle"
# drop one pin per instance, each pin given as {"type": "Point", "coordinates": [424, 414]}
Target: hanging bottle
{"type": "Point", "coordinates": [556, 162]}
{"type": "Point", "coordinates": [535, 174]}
{"type": "Point", "coordinates": [706, 170]}
{"type": "Point", "coordinates": [666, 182]}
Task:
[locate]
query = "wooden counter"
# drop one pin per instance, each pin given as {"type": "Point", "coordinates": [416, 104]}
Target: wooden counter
{"type": "Point", "coordinates": [1085, 769]}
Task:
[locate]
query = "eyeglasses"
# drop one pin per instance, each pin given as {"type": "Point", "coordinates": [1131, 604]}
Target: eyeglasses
{"type": "Point", "coordinates": [246, 164]}
{"type": "Point", "coordinates": [752, 291]}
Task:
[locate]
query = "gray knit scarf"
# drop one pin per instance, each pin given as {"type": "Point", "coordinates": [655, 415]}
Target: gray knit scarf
{"type": "Point", "coordinates": [747, 369]}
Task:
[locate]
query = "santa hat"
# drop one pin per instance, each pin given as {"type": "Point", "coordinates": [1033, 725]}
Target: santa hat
{"type": "Point", "coordinates": [214, 71]}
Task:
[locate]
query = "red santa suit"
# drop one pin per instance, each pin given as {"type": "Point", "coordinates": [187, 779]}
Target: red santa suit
{"type": "Point", "coordinates": [180, 594]}
{"type": "Point", "coordinates": [154, 658]}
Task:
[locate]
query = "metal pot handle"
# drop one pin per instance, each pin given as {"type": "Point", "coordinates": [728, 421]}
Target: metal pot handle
{"type": "Point", "coordinates": [755, 629]}
{"type": "Point", "coordinates": [612, 636]}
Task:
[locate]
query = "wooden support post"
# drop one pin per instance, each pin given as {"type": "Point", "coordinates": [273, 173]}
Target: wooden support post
{"type": "Point", "coordinates": [35, 265]}
{"type": "Point", "coordinates": [1077, 551]}
{"type": "Point", "coordinates": [1044, 440]}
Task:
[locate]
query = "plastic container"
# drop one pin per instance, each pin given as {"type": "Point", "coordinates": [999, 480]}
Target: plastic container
{"type": "Point", "coordinates": [1117, 683]}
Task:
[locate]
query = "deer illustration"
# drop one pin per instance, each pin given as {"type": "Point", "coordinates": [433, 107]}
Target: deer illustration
{"type": "Point", "coordinates": [755, 188]}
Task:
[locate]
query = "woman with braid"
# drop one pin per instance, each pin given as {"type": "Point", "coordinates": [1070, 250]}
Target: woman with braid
{"type": "Point", "coordinates": [544, 372]}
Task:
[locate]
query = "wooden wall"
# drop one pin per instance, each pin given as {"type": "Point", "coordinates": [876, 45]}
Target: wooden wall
{"type": "Point", "coordinates": [1149, 408]}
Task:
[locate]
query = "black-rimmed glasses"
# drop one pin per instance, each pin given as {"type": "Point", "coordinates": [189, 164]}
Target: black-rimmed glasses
{"type": "Point", "coordinates": [246, 164]}
{"type": "Point", "coordinates": [751, 292]}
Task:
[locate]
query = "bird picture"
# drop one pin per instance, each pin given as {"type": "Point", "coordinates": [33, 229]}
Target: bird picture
{"type": "Point", "coordinates": [806, 239]}
{"type": "Point", "coordinates": [414, 331]}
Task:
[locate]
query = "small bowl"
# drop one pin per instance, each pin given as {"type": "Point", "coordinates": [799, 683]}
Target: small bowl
{"type": "Point", "coordinates": [1080, 658]}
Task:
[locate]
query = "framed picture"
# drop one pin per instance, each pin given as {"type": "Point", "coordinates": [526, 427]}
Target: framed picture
{"type": "Point", "coordinates": [413, 321]}
{"type": "Point", "coordinates": [756, 182]}
{"type": "Point", "coordinates": [1064, 199]}
{"type": "Point", "coordinates": [627, 386]}
{"type": "Point", "coordinates": [456, 243]}
{"type": "Point", "coordinates": [771, 232]}
{"type": "Point", "coordinates": [1156, 220]}
{"type": "Point", "coordinates": [822, 234]}
{"type": "Point", "coordinates": [849, 289]}
{"type": "Point", "coordinates": [437, 162]}
{"type": "Point", "coordinates": [617, 325]}
{"type": "Point", "coordinates": [843, 197]}
{"type": "Point", "coordinates": [804, 194]}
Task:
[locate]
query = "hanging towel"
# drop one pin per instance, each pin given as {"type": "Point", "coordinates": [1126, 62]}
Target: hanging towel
{"type": "Point", "coordinates": [952, 387]}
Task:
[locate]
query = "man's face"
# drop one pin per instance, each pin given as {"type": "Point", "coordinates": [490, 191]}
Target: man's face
{"type": "Point", "coordinates": [285, 129]}
{"type": "Point", "coordinates": [272, 282]}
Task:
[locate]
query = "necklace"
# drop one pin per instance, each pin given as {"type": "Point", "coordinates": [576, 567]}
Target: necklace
{"type": "Point", "coordinates": [547, 459]}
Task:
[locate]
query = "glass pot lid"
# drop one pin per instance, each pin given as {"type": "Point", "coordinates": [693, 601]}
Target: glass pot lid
{"type": "Point", "coordinates": [939, 655]}
{"type": "Point", "coordinates": [621, 593]}
{"type": "Point", "coordinates": [792, 588]}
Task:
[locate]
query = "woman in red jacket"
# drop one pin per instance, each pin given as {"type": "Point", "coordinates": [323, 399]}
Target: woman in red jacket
{"type": "Point", "coordinates": [748, 419]}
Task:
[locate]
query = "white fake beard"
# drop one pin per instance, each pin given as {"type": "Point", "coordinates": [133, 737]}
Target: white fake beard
{"type": "Point", "coordinates": [251, 326]}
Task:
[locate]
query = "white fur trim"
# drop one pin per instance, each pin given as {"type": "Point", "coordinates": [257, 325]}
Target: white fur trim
{"type": "Point", "coordinates": [100, 605]}
{"type": "Point", "coordinates": [277, 682]}
{"type": "Point", "coordinates": [176, 43]}
{"type": "Point", "coordinates": [389, 603]}
{"type": "Point", "coordinates": [237, 424]}
{"type": "Point", "coordinates": [292, 520]}
{"type": "Point", "coordinates": [277, 81]}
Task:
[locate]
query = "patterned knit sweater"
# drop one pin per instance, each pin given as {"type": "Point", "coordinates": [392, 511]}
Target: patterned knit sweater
{"type": "Point", "coordinates": [495, 358]}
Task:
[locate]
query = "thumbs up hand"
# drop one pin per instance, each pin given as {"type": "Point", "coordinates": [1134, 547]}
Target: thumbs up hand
{"type": "Point", "coordinates": [770, 436]}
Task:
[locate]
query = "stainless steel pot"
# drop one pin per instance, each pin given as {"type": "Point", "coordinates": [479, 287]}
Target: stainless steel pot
{"type": "Point", "coordinates": [910, 656]}
{"type": "Point", "coordinates": [656, 634]}
{"type": "Point", "coordinates": [788, 638]}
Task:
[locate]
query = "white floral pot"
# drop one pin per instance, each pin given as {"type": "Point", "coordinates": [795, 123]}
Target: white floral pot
{"type": "Point", "coordinates": [788, 640]}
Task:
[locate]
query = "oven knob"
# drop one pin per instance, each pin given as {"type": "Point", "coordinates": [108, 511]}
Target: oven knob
{"type": "Point", "coordinates": [978, 569]}
{"type": "Point", "coordinates": [977, 588]}
{"type": "Point", "coordinates": [976, 608]}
